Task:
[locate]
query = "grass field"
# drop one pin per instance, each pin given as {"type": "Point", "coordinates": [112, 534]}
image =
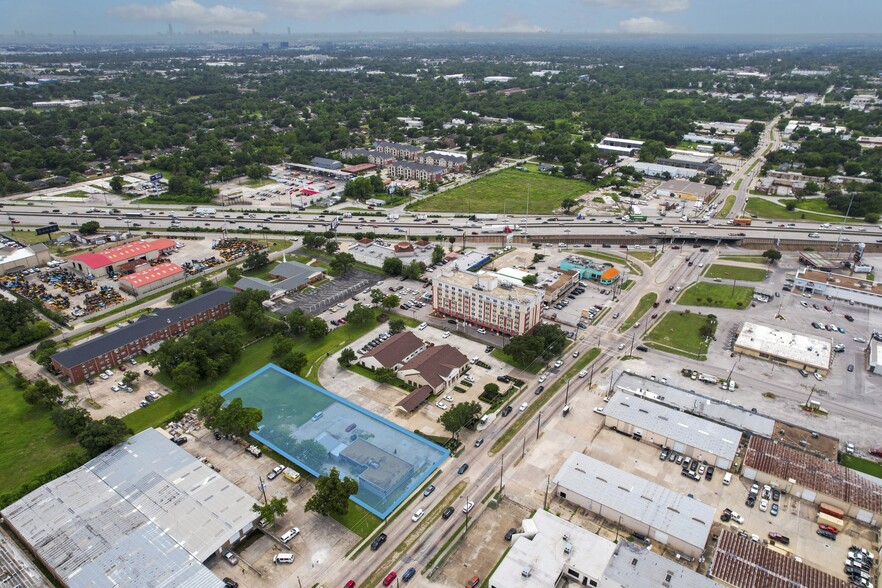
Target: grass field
{"type": "Point", "coordinates": [643, 305]}
{"type": "Point", "coordinates": [678, 332]}
{"type": "Point", "coordinates": [73, 194]}
{"type": "Point", "coordinates": [256, 182]}
{"type": "Point", "coordinates": [633, 267]}
{"type": "Point", "coordinates": [862, 465]}
{"type": "Point", "coordinates": [813, 205]}
{"type": "Point", "coordinates": [31, 443]}
{"type": "Point", "coordinates": [716, 295]}
{"type": "Point", "coordinates": [728, 204]}
{"type": "Point", "coordinates": [503, 356]}
{"type": "Point", "coordinates": [744, 258]}
{"type": "Point", "coordinates": [27, 237]}
{"type": "Point", "coordinates": [735, 272]}
{"type": "Point", "coordinates": [766, 209]}
{"type": "Point", "coordinates": [647, 257]}
{"type": "Point", "coordinates": [505, 192]}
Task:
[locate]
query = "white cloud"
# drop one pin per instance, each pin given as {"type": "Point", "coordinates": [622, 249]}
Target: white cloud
{"type": "Point", "coordinates": [665, 6]}
{"type": "Point", "coordinates": [192, 14]}
{"type": "Point", "coordinates": [644, 25]}
{"type": "Point", "coordinates": [321, 8]}
{"type": "Point", "coordinates": [510, 24]}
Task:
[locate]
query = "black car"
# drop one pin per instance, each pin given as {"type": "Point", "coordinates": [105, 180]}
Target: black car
{"type": "Point", "coordinates": [218, 435]}
{"type": "Point", "coordinates": [506, 411]}
{"type": "Point", "coordinates": [451, 321]}
{"type": "Point", "coordinates": [148, 373]}
{"type": "Point", "coordinates": [488, 349]}
{"type": "Point", "coordinates": [230, 583]}
{"type": "Point", "coordinates": [510, 533]}
{"type": "Point", "coordinates": [448, 512]}
{"type": "Point", "coordinates": [503, 379]}
{"type": "Point", "coordinates": [375, 544]}
{"type": "Point", "coordinates": [709, 473]}
{"type": "Point", "coordinates": [539, 390]}
{"type": "Point", "coordinates": [90, 381]}
{"type": "Point", "coordinates": [776, 496]}
{"type": "Point", "coordinates": [179, 440]}
{"type": "Point", "coordinates": [462, 469]}
{"type": "Point", "coordinates": [643, 348]}
{"type": "Point", "coordinates": [826, 534]}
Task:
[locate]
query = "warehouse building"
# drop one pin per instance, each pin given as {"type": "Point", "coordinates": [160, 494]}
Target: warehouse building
{"type": "Point", "coordinates": [874, 356]}
{"type": "Point", "coordinates": [857, 290]}
{"type": "Point", "coordinates": [616, 146]}
{"type": "Point", "coordinates": [657, 170]}
{"type": "Point", "coordinates": [634, 565]}
{"type": "Point", "coordinates": [110, 350]}
{"type": "Point", "coordinates": [686, 190]}
{"type": "Point", "coordinates": [144, 513]}
{"type": "Point", "coordinates": [289, 276]}
{"type": "Point", "coordinates": [813, 478]}
{"type": "Point", "coordinates": [670, 518]}
{"type": "Point", "coordinates": [660, 425]}
{"type": "Point", "coordinates": [783, 347]}
{"type": "Point", "coordinates": [325, 163]}
{"type": "Point", "coordinates": [151, 279]}
{"type": "Point", "coordinates": [15, 256]}
{"type": "Point", "coordinates": [487, 301]}
{"type": "Point", "coordinates": [703, 163]}
{"type": "Point", "coordinates": [115, 259]}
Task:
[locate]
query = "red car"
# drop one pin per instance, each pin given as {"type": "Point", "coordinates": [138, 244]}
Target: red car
{"type": "Point", "coordinates": [390, 578]}
{"type": "Point", "coordinates": [779, 538]}
{"type": "Point", "coordinates": [829, 529]}
{"type": "Point", "coordinates": [876, 452]}
{"type": "Point", "coordinates": [350, 584]}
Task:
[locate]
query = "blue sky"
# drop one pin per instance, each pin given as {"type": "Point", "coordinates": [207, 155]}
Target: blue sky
{"type": "Point", "coordinates": [515, 16]}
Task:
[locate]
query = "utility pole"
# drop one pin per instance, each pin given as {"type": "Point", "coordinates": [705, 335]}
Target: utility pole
{"type": "Point", "coordinates": [631, 352]}
{"type": "Point", "coordinates": [262, 488]}
{"type": "Point", "coordinates": [538, 424]}
{"type": "Point", "coordinates": [501, 468]}
{"type": "Point", "coordinates": [567, 397]}
{"type": "Point", "coordinates": [547, 484]}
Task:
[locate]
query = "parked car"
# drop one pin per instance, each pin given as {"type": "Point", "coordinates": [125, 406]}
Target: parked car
{"type": "Point", "coordinates": [510, 533]}
{"type": "Point", "coordinates": [276, 471]}
{"type": "Point", "coordinates": [775, 536]}
{"type": "Point", "coordinates": [448, 512]}
{"type": "Point", "coordinates": [462, 469]}
{"type": "Point", "coordinates": [826, 534]}
{"type": "Point", "coordinates": [231, 558]}
{"type": "Point", "coordinates": [506, 411]}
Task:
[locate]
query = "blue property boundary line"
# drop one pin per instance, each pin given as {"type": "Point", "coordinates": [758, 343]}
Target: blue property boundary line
{"type": "Point", "coordinates": [445, 453]}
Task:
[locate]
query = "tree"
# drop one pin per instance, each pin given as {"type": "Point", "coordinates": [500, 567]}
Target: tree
{"type": "Point", "coordinates": [706, 330]}
{"type": "Point", "coordinates": [282, 344]}
{"type": "Point", "coordinates": [99, 436]}
{"type": "Point", "coordinates": [311, 453]}
{"type": "Point", "coordinates": [347, 357]}
{"type": "Point", "coordinates": [530, 280]}
{"type": "Point", "coordinates": [360, 315]}
{"type": "Point", "coordinates": [812, 187]}
{"type": "Point", "coordinates": [256, 171]}
{"type": "Point", "coordinates": [70, 420]}
{"type": "Point", "coordinates": [437, 254]}
{"type": "Point", "coordinates": [524, 349]}
{"type": "Point", "coordinates": [234, 273]}
{"type": "Point", "coordinates": [130, 377]}
{"type": "Point", "coordinates": [209, 409]}
{"type": "Point", "coordinates": [872, 217]}
{"type": "Point", "coordinates": [413, 270]}
{"type": "Point", "coordinates": [772, 255]}
{"type": "Point", "coordinates": [377, 296]}
{"type": "Point", "coordinates": [342, 262]}
{"type": "Point", "coordinates": [386, 375]}
{"type": "Point", "coordinates": [43, 394]}
{"type": "Point", "coordinates": [239, 420]}
{"type": "Point", "coordinates": [43, 352]}
{"type": "Point", "coordinates": [652, 150]}
{"type": "Point", "coordinates": [317, 328]}
{"type": "Point", "coordinates": [791, 206]}
{"type": "Point", "coordinates": [116, 184]}
{"type": "Point", "coordinates": [451, 240]}
{"type": "Point", "coordinates": [459, 416]}
{"type": "Point", "coordinates": [185, 376]}
{"type": "Point", "coordinates": [90, 227]}
{"type": "Point", "coordinates": [269, 512]}
{"type": "Point", "coordinates": [568, 204]}
{"type": "Point", "coordinates": [182, 295]}
{"type": "Point", "coordinates": [256, 260]}
{"type": "Point", "coordinates": [332, 494]}
{"type": "Point", "coordinates": [391, 301]}
{"type": "Point", "coordinates": [206, 286]}
{"type": "Point", "coordinates": [313, 241]}
{"type": "Point", "coordinates": [491, 388]}
{"type": "Point", "coordinates": [248, 306]}
{"type": "Point", "coordinates": [294, 362]}
{"type": "Point", "coordinates": [396, 325]}
{"type": "Point", "coordinates": [717, 181]}
{"type": "Point", "coordinates": [331, 247]}
{"type": "Point", "coordinates": [392, 266]}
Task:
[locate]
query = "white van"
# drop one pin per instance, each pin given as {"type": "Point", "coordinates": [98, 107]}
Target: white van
{"type": "Point", "coordinates": [727, 479]}
{"type": "Point", "coordinates": [290, 534]}
{"type": "Point", "coordinates": [283, 558]}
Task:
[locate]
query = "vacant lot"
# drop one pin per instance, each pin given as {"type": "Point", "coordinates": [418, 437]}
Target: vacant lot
{"type": "Point", "coordinates": [716, 295]}
{"type": "Point", "coordinates": [31, 443]}
{"type": "Point", "coordinates": [506, 191]}
{"type": "Point", "coordinates": [766, 209]}
{"type": "Point", "coordinates": [744, 258]}
{"type": "Point", "coordinates": [680, 333]}
{"type": "Point", "coordinates": [736, 272]}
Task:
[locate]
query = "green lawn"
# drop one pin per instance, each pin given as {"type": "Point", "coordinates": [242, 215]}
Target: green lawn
{"type": "Point", "coordinates": [735, 272]}
{"type": "Point", "coordinates": [738, 184]}
{"type": "Point", "coordinates": [643, 305]}
{"type": "Point", "coordinates": [501, 355]}
{"type": "Point", "coordinates": [862, 465]}
{"type": "Point", "coordinates": [256, 182]}
{"type": "Point", "coordinates": [716, 295]}
{"type": "Point", "coordinates": [73, 194]}
{"type": "Point", "coordinates": [505, 192]}
{"type": "Point", "coordinates": [728, 204]}
{"type": "Point", "coordinates": [678, 332]}
{"type": "Point", "coordinates": [398, 382]}
{"type": "Point", "coordinates": [27, 237]}
{"type": "Point", "coordinates": [812, 204]}
{"type": "Point", "coordinates": [633, 267]}
{"type": "Point", "coordinates": [31, 443]}
{"type": "Point", "coordinates": [771, 210]}
{"type": "Point", "coordinates": [744, 258]}
{"type": "Point", "coordinates": [647, 257]}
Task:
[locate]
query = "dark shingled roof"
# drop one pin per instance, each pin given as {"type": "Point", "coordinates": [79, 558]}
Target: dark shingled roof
{"type": "Point", "coordinates": [145, 325]}
{"type": "Point", "coordinates": [415, 398]}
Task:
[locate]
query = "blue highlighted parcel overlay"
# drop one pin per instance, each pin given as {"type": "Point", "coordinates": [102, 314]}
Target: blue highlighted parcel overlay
{"type": "Point", "coordinates": [318, 430]}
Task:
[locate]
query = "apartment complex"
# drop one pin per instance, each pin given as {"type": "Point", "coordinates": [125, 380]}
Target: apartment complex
{"type": "Point", "coordinates": [487, 301]}
{"type": "Point", "coordinates": [398, 150]}
{"type": "Point", "coordinates": [412, 170]}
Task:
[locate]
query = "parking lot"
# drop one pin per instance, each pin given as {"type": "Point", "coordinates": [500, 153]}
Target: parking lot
{"type": "Point", "coordinates": [120, 402]}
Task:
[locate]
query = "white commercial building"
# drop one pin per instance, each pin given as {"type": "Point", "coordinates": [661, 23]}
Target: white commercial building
{"type": "Point", "coordinates": [487, 301]}
{"type": "Point", "coordinates": [673, 519]}
{"type": "Point", "coordinates": [634, 565]}
{"type": "Point", "coordinates": [663, 426]}
{"type": "Point", "coordinates": [841, 287]}
{"type": "Point", "coordinates": [783, 347]}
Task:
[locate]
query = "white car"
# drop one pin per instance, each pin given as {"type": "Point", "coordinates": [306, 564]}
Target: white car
{"type": "Point", "coordinates": [445, 334]}
{"type": "Point", "coordinates": [290, 534]}
{"type": "Point", "coordinates": [558, 363]}
{"type": "Point", "coordinates": [422, 326]}
{"type": "Point", "coordinates": [482, 331]}
{"type": "Point", "coordinates": [441, 405]}
{"type": "Point", "coordinates": [448, 398]}
{"type": "Point", "coordinates": [468, 506]}
{"type": "Point", "coordinates": [818, 377]}
{"type": "Point", "coordinates": [115, 388]}
{"type": "Point", "coordinates": [104, 376]}
{"type": "Point", "coordinates": [598, 409]}
{"type": "Point", "coordinates": [583, 373]}
{"type": "Point", "coordinates": [542, 378]}
{"type": "Point", "coordinates": [417, 515]}
{"type": "Point", "coordinates": [737, 518]}
{"type": "Point", "coordinates": [523, 407]}
{"type": "Point", "coordinates": [621, 346]}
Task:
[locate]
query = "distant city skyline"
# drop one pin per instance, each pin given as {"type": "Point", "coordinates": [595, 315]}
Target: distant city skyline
{"type": "Point", "coordinates": [640, 17]}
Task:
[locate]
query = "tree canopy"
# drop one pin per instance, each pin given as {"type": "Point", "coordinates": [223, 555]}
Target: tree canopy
{"type": "Point", "coordinates": [459, 416]}
{"type": "Point", "coordinates": [332, 494]}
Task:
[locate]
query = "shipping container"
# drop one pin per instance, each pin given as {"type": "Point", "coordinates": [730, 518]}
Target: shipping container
{"type": "Point", "coordinates": [825, 519]}
{"type": "Point", "coordinates": [831, 510]}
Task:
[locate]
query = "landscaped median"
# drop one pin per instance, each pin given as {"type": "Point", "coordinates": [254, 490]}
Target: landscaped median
{"type": "Point", "coordinates": [684, 333]}
{"type": "Point", "coordinates": [645, 303]}
{"type": "Point", "coordinates": [539, 401]}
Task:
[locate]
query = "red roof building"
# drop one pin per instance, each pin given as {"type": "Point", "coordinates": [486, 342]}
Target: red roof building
{"type": "Point", "coordinates": [115, 256]}
{"type": "Point", "coordinates": [152, 278]}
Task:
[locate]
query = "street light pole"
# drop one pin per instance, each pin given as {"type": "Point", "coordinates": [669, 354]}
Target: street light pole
{"type": "Point", "coordinates": [567, 397]}
{"type": "Point", "coordinates": [501, 468]}
{"type": "Point", "coordinates": [538, 424]}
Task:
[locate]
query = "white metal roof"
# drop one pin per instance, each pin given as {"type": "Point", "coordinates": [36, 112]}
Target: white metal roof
{"type": "Point", "coordinates": [636, 565]}
{"type": "Point", "coordinates": [811, 351]}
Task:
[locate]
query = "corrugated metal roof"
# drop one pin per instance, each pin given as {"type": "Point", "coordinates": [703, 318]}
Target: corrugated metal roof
{"type": "Point", "coordinates": [743, 563]}
{"type": "Point", "coordinates": [145, 513]}
{"type": "Point", "coordinates": [658, 507]}
{"type": "Point", "coordinates": [106, 257]}
{"type": "Point", "coordinates": [153, 274]}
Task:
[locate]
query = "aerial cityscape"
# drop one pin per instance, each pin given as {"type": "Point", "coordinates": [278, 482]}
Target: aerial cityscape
{"type": "Point", "coordinates": [302, 294]}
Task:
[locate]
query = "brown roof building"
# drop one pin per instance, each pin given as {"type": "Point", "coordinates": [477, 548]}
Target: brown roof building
{"type": "Point", "coordinates": [743, 563]}
{"type": "Point", "coordinates": [438, 367]}
{"type": "Point", "coordinates": [394, 352]}
{"type": "Point", "coordinates": [813, 478]}
{"type": "Point", "coordinates": [413, 400]}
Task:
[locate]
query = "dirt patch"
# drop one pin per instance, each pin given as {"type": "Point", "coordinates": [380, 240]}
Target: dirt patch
{"type": "Point", "coordinates": [801, 437]}
{"type": "Point", "coordinates": [483, 545]}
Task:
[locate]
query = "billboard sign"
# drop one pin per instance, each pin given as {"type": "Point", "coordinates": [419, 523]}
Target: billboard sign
{"type": "Point", "coordinates": [155, 177]}
{"type": "Point", "coordinates": [47, 229]}
{"type": "Point", "coordinates": [335, 223]}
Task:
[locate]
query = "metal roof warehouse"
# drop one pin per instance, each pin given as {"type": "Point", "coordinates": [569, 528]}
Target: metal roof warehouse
{"type": "Point", "coordinates": [144, 513]}
{"type": "Point", "coordinates": [121, 254]}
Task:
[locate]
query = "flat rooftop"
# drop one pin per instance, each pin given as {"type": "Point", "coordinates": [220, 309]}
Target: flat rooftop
{"type": "Point", "coordinates": [635, 565]}
{"type": "Point", "coordinates": [841, 281]}
{"type": "Point", "coordinates": [703, 190]}
{"type": "Point", "coordinates": [656, 506]}
{"type": "Point", "coordinates": [688, 429]}
{"type": "Point", "coordinates": [492, 284]}
{"type": "Point", "coordinates": [811, 351]}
